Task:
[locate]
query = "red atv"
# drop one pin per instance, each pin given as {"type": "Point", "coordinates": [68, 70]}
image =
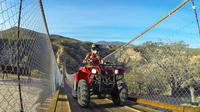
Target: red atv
{"type": "Point", "coordinates": [100, 80]}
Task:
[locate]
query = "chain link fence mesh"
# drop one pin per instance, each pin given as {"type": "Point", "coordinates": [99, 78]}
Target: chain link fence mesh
{"type": "Point", "coordinates": [38, 70]}
{"type": "Point", "coordinates": [163, 64]}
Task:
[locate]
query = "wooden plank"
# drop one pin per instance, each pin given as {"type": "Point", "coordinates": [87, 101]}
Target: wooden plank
{"type": "Point", "coordinates": [67, 104]}
{"type": "Point", "coordinates": [175, 108]}
{"type": "Point", "coordinates": [59, 105]}
{"type": "Point", "coordinates": [190, 109]}
{"type": "Point", "coordinates": [161, 105]}
{"type": "Point", "coordinates": [134, 110]}
{"type": "Point", "coordinates": [138, 108]}
{"type": "Point", "coordinates": [54, 102]}
{"type": "Point", "coordinates": [63, 104]}
{"type": "Point", "coordinates": [62, 101]}
{"type": "Point", "coordinates": [145, 109]}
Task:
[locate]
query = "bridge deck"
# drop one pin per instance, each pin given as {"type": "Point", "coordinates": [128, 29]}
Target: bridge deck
{"type": "Point", "coordinates": [64, 102]}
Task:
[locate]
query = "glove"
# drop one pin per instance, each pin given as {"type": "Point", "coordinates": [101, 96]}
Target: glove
{"type": "Point", "coordinates": [84, 61]}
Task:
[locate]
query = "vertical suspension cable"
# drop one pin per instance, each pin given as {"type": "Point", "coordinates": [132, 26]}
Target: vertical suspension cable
{"type": "Point", "coordinates": [44, 18]}
{"type": "Point", "coordinates": [195, 12]}
{"type": "Point", "coordinates": [18, 58]}
{"type": "Point", "coordinates": [47, 31]}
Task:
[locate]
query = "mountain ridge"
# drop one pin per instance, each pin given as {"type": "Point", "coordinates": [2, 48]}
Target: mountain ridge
{"type": "Point", "coordinates": [110, 43]}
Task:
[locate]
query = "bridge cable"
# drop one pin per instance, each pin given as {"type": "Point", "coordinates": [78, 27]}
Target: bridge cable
{"type": "Point", "coordinates": [46, 26]}
{"type": "Point", "coordinates": [18, 57]}
{"type": "Point", "coordinates": [174, 10]}
{"type": "Point", "coordinates": [195, 12]}
{"type": "Point", "coordinates": [44, 18]}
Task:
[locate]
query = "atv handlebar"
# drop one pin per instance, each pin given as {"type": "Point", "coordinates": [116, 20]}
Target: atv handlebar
{"type": "Point", "coordinates": [89, 61]}
{"type": "Point", "coordinates": [111, 65]}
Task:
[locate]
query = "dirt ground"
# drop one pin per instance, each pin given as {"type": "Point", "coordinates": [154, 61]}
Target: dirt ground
{"type": "Point", "coordinates": [34, 92]}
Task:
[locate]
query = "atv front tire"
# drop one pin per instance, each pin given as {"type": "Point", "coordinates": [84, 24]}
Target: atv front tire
{"type": "Point", "coordinates": [119, 94]}
{"type": "Point", "coordinates": [83, 93]}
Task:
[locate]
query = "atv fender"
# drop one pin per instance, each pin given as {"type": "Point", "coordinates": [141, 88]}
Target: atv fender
{"type": "Point", "coordinates": [82, 74]}
{"type": "Point", "coordinates": [76, 78]}
{"type": "Point", "coordinates": [75, 85]}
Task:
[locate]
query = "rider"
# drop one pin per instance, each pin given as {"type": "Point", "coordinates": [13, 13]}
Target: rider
{"type": "Point", "coordinates": [94, 56]}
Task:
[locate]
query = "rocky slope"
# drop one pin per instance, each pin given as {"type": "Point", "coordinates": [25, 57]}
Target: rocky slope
{"type": "Point", "coordinates": [74, 51]}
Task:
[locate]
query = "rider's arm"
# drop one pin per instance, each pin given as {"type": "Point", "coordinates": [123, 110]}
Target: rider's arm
{"type": "Point", "coordinates": [102, 61]}
{"type": "Point", "coordinates": [86, 58]}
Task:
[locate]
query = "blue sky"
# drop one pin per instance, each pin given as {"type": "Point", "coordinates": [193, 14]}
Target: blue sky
{"type": "Point", "coordinates": [121, 20]}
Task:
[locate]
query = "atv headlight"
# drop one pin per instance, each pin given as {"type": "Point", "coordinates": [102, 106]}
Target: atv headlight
{"type": "Point", "coordinates": [116, 71]}
{"type": "Point", "coordinates": [94, 71]}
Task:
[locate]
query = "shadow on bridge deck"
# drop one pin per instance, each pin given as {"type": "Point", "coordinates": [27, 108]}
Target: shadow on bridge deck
{"type": "Point", "coordinates": [66, 103]}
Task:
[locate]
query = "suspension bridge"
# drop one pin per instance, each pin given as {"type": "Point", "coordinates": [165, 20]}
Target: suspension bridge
{"type": "Point", "coordinates": [35, 76]}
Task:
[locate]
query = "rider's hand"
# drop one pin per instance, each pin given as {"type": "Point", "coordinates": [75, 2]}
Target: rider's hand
{"type": "Point", "coordinates": [84, 61]}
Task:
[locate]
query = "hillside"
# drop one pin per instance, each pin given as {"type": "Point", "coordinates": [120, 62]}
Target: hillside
{"type": "Point", "coordinates": [151, 68]}
{"type": "Point", "coordinates": [24, 34]}
{"type": "Point", "coordinates": [75, 51]}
